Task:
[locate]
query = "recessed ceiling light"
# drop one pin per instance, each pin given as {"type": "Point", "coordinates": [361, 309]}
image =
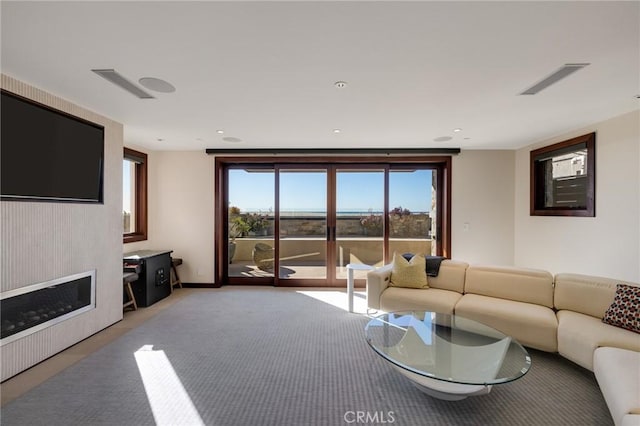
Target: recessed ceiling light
{"type": "Point", "coordinates": [442, 139]}
{"type": "Point", "coordinates": [340, 84]}
{"type": "Point", "coordinates": [219, 132]}
{"type": "Point", "coordinates": [336, 130]}
{"type": "Point", "coordinates": [456, 130]}
{"type": "Point", "coordinates": [232, 140]}
{"type": "Point", "coordinates": [157, 85]}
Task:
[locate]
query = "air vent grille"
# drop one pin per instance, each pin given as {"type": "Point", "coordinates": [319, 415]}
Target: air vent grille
{"type": "Point", "coordinates": [558, 75]}
{"type": "Point", "coordinates": [117, 79]}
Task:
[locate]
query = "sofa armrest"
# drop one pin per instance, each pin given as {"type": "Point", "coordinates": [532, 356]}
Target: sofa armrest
{"type": "Point", "coordinates": [377, 282]}
{"type": "Point", "coordinates": [616, 371]}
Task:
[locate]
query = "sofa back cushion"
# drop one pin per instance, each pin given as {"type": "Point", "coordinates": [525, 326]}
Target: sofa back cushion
{"type": "Point", "coordinates": [585, 294]}
{"type": "Point", "coordinates": [519, 284]}
{"type": "Point", "coordinates": [451, 276]}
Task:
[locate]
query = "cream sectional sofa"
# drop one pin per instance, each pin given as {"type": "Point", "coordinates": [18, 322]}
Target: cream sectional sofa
{"type": "Point", "coordinates": [555, 314]}
{"type": "Point", "coordinates": [445, 290]}
{"type": "Point", "coordinates": [618, 374]}
{"type": "Point", "coordinates": [581, 301]}
{"type": "Point", "coordinates": [518, 302]}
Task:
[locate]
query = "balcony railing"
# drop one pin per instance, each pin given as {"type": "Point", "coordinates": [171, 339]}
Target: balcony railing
{"type": "Point", "coordinates": [301, 250]}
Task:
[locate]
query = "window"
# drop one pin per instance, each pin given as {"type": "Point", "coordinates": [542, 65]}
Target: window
{"type": "Point", "coordinates": [134, 196]}
{"type": "Point", "coordinates": [324, 212]}
{"type": "Point", "coordinates": [563, 178]}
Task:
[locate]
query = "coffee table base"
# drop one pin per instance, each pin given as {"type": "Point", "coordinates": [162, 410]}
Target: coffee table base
{"type": "Point", "coordinates": [443, 390]}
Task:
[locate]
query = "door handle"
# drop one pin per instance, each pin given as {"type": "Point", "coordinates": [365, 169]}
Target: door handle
{"type": "Point", "coordinates": [331, 233]}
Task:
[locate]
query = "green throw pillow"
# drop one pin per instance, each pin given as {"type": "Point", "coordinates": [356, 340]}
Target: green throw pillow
{"type": "Point", "coordinates": [410, 274]}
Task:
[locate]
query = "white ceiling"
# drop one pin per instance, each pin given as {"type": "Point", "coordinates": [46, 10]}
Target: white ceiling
{"type": "Point", "coordinates": [264, 72]}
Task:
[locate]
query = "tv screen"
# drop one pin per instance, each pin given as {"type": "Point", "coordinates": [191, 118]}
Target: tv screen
{"type": "Point", "coordinates": [48, 155]}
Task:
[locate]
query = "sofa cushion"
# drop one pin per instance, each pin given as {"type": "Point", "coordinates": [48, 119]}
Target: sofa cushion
{"type": "Point", "coordinates": [517, 284]}
{"type": "Point", "coordinates": [586, 294]}
{"type": "Point", "coordinates": [451, 276]}
{"type": "Point", "coordinates": [625, 309]}
{"type": "Point", "coordinates": [530, 324]}
{"type": "Point", "coordinates": [617, 372]}
{"type": "Point", "coordinates": [409, 274]}
{"type": "Point", "coordinates": [579, 335]}
{"type": "Point", "coordinates": [429, 299]}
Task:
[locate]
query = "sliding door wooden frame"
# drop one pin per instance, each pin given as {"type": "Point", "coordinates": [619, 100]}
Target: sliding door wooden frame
{"type": "Point", "coordinates": [286, 166]}
{"type": "Point", "coordinates": [442, 164]}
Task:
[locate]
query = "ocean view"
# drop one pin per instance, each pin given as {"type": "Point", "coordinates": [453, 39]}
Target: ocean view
{"type": "Point", "coordinates": [320, 212]}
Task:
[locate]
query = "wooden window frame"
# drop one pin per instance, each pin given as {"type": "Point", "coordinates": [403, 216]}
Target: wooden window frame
{"type": "Point", "coordinates": [221, 201]}
{"type": "Point", "coordinates": [140, 233]}
{"type": "Point", "coordinates": [538, 186]}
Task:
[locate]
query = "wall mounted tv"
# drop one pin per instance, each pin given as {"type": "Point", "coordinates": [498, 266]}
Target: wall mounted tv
{"type": "Point", "coordinates": [48, 155]}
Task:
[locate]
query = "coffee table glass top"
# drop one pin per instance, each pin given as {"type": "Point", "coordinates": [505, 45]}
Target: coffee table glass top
{"type": "Point", "coordinates": [447, 347]}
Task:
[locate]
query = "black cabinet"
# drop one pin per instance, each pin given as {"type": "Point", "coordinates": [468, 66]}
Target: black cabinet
{"type": "Point", "coordinates": [153, 268]}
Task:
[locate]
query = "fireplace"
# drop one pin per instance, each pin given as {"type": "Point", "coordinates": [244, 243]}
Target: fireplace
{"type": "Point", "coordinates": [33, 308]}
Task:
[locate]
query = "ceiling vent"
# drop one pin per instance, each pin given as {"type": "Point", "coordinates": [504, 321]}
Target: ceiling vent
{"type": "Point", "coordinates": [117, 79]}
{"type": "Point", "coordinates": [558, 75]}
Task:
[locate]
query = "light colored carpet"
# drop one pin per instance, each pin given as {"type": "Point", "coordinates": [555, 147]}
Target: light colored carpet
{"type": "Point", "coordinates": [279, 357]}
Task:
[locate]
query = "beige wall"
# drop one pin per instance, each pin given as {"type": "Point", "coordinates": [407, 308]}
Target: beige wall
{"type": "Point", "coordinates": [482, 213]}
{"type": "Point", "coordinates": [181, 211]}
{"type": "Point", "coordinates": [43, 241]}
{"type": "Point", "coordinates": [490, 214]}
{"type": "Point", "coordinates": [606, 245]}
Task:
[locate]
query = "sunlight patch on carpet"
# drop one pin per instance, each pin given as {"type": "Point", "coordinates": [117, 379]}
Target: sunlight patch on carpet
{"type": "Point", "coordinates": [168, 399]}
{"type": "Point", "coordinates": [338, 299]}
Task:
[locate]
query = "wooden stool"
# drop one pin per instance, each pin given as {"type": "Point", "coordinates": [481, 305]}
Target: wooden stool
{"type": "Point", "coordinates": [127, 279]}
{"type": "Point", "coordinates": [175, 278]}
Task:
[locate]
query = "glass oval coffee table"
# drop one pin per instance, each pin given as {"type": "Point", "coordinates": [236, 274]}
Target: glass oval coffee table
{"type": "Point", "coordinates": [447, 356]}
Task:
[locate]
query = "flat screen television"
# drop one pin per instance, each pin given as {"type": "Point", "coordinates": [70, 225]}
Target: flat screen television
{"type": "Point", "coordinates": [48, 155]}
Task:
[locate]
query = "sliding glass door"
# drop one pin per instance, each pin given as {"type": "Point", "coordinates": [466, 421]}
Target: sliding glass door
{"type": "Point", "coordinates": [301, 224]}
{"type": "Point", "coordinates": [412, 211]}
{"type": "Point", "coordinates": [359, 228]}
{"type": "Point", "coordinates": [250, 222]}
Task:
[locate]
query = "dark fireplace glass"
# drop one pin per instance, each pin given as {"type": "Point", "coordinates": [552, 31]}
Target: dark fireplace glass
{"type": "Point", "coordinates": [24, 311]}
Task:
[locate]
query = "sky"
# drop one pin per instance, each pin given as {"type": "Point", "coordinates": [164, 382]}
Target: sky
{"type": "Point", "coordinates": [306, 191]}
{"type": "Point", "coordinates": [126, 185]}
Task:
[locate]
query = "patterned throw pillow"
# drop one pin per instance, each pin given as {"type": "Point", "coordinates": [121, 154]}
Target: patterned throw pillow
{"type": "Point", "coordinates": [409, 274]}
{"type": "Point", "coordinates": [625, 310]}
